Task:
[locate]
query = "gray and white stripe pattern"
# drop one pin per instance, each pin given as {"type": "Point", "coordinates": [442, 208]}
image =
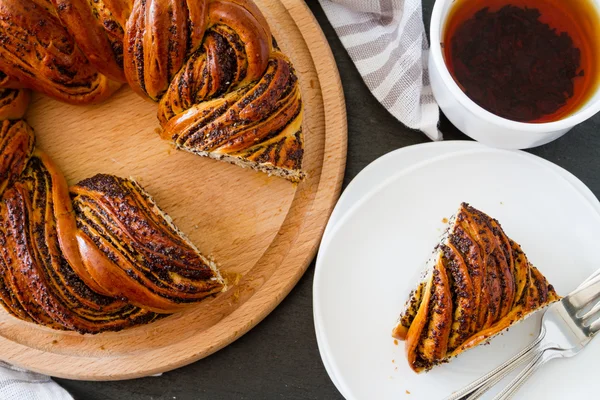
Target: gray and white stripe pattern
{"type": "Point", "coordinates": [18, 384]}
{"type": "Point", "coordinates": [387, 42]}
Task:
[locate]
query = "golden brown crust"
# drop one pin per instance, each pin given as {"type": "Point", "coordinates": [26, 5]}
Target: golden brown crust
{"type": "Point", "coordinates": [505, 263]}
{"type": "Point", "coordinates": [40, 54]}
{"type": "Point", "coordinates": [156, 45]}
{"type": "Point", "coordinates": [489, 282]}
{"type": "Point", "coordinates": [410, 312]}
{"type": "Point", "coordinates": [16, 146]}
{"type": "Point", "coordinates": [415, 332]}
{"type": "Point", "coordinates": [258, 123]}
{"type": "Point", "coordinates": [464, 296]}
{"type": "Point", "coordinates": [6, 82]}
{"type": "Point", "coordinates": [13, 103]}
{"type": "Point", "coordinates": [472, 256]}
{"type": "Point", "coordinates": [65, 225]}
{"type": "Point", "coordinates": [538, 293]}
{"type": "Point", "coordinates": [492, 285]}
{"type": "Point", "coordinates": [433, 344]}
{"type": "Point", "coordinates": [131, 250]}
{"type": "Point", "coordinates": [98, 28]}
{"type": "Point", "coordinates": [161, 34]}
{"type": "Point", "coordinates": [19, 255]}
{"type": "Point", "coordinates": [8, 299]}
{"type": "Point", "coordinates": [49, 289]}
{"type": "Point", "coordinates": [521, 270]}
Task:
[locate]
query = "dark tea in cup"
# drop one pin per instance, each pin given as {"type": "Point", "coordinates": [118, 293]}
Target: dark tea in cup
{"type": "Point", "coordinates": [524, 60]}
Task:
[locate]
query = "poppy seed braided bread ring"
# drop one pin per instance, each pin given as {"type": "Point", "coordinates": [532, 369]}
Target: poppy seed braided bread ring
{"type": "Point", "coordinates": [102, 256]}
{"type": "Point", "coordinates": [224, 89]}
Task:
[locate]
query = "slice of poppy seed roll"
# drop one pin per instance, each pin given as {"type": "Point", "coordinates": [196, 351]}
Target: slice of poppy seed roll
{"type": "Point", "coordinates": [477, 283]}
{"type": "Point", "coordinates": [37, 283]}
{"type": "Point", "coordinates": [131, 248]}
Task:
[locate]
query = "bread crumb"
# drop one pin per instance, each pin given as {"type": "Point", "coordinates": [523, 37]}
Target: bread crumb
{"type": "Point", "coordinates": [393, 361]}
{"type": "Point", "coordinates": [396, 342]}
{"type": "Point", "coordinates": [407, 392]}
{"type": "Point", "coordinates": [445, 220]}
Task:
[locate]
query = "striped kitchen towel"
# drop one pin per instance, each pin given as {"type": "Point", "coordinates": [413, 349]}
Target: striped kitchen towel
{"type": "Point", "coordinates": [387, 42]}
{"type": "Point", "coordinates": [18, 384]}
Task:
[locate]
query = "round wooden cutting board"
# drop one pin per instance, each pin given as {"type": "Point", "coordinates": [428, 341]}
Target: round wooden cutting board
{"type": "Point", "coordinates": [262, 231]}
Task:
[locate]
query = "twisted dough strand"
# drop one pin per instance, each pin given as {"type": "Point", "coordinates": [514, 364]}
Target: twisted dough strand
{"type": "Point", "coordinates": [16, 146]}
{"type": "Point", "coordinates": [13, 103]}
{"type": "Point", "coordinates": [198, 58]}
{"type": "Point", "coordinates": [161, 35]}
{"type": "Point", "coordinates": [130, 249]}
{"type": "Point", "coordinates": [103, 256]}
{"type": "Point", "coordinates": [113, 261]}
{"type": "Point", "coordinates": [103, 22]}
{"type": "Point", "coordinates": [46, 286]}
{"type": "Point", "coordinates": [37, 52]}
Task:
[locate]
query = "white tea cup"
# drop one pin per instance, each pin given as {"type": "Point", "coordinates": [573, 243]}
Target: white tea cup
{"type": "Point", "coordinates": [480, 124]}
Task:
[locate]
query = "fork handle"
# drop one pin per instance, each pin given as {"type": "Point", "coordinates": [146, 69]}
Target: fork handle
{"type": "Point", "coordinates": [539, 360]}
{"type": "Point", "coordinates": [476, 388]}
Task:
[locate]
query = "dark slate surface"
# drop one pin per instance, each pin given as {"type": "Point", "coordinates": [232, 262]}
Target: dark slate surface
{"type": "Point", "coordinates": [279, 358]}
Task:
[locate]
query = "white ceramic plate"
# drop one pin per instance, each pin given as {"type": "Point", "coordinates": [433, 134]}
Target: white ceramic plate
{"type": "Point", "coordinates": [360, 284]}
{"type": "Point", "coordinates": [393, 162]}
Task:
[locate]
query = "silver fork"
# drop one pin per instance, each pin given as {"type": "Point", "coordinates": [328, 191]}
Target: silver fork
{"type": "Point", "coordinates": [567, 326]}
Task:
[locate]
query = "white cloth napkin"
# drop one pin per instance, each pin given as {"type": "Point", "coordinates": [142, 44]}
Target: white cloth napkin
{"type": "Point", "coordinates": [18, 384]}
{"type": "Point", "coordinates": [387, 42]}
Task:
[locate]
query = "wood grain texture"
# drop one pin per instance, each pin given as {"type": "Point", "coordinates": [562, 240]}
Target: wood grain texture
{"type": "Point", "coordinates": [263, 231]}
